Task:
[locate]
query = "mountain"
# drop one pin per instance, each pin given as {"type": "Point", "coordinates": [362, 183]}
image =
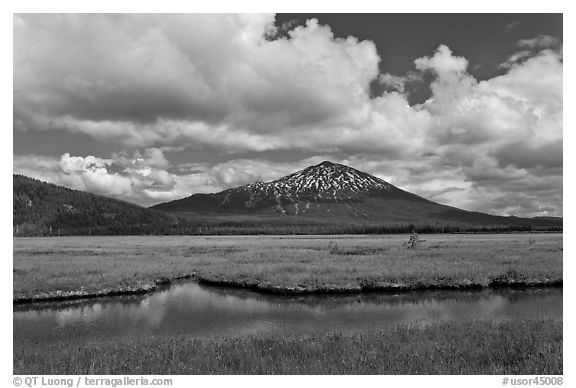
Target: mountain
{"type": "Point", "coordinates": [332, 193]}
{"type": "Point", "coordinates": [44, 209]}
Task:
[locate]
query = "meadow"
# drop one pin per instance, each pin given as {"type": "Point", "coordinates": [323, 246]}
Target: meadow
{"type": "Point", "coordinates": [526, 347]}
{"type": "Point", "coordinates": [61, 267]}
{"type": "Point", "coordinates": [79, 266]}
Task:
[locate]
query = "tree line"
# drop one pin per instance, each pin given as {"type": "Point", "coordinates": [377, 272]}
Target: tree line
{"type": "Point", "coordinates": [195, 229]}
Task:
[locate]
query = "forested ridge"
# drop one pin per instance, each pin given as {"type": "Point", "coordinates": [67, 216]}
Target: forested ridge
{"type": "Point", "coordinates": [44, 209]}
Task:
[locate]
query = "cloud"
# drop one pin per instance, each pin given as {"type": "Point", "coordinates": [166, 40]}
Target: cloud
{"type": "Point", "coordinates": [503, 135]}
{"type": "Point", "coordinates": [442, 62]}
{"type": "Point", "coordinates": [516, 58]}
{"type": "Point", "coordinates": [534, 47]}
{"type": "Point", "coordinates": [512, 26]}
{"type": "Point", "coordinates": [184, 74]}
{"type": "Point", "coordinates": [399, 83]}
{"type": "Point", "coordinates": [529, 155]}
{"type": "Point", "coordinates": [539, 42]}
{"type": "Point", "coordinates": [392, 81]}
{"type": "Point", "coordinates": [205, 81]}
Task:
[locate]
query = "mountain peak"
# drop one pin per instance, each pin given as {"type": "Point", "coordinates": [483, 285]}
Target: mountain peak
{"type": "Point", "coordinates": [325, 163]}
{"type": "Point", "coordinates": [325, 181]}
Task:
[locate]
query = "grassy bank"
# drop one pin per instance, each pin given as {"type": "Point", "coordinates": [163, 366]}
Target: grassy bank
{"type": "Point", "coordinates": [523, 347]}
{"type": "Point", "coordinates": [68, 266]}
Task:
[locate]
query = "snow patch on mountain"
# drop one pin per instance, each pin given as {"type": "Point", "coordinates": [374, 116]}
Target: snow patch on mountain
{"type": "Point", "coordinates": [324, 182]}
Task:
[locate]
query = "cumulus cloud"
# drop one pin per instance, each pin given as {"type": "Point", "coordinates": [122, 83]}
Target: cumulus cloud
{"type": "Point", "coordinates": [488, 144]}
{"type": "Point", "coordinates": [539, 42]}
{"type": "Point", "coordinates": [502, 134]}
{"type": "Point", "coordinates": [205, 81]}
{"type": "Point", "coordinates": [399, 83]}
{"type": "Point", "coordinates": [187, 74]}
{"type": "Point", "coordinates": [442, 62]}
{"type": "Point", "coordinates": [533, 47]}
{"type": "Point", "coordinates": [393, 82]}
{"type": "Point", "coordinates": [239, 83]}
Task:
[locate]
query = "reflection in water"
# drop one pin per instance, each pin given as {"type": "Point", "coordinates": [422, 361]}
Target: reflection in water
{"type": "Point", "coordinates": [188, 308]}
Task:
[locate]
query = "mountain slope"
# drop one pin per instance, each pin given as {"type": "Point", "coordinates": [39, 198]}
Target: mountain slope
{"type": "Point", "coordinates": [330, 192]}
{"type": "Point", "coordinates": [300, 193]}
{"type": "Point", "coordinates": [45, 209]}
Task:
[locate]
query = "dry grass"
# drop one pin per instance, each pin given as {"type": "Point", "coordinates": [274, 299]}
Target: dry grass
{"type": "Point", "coordinates": [90, 264]}
{"type": "Point", "coordinates": [523, 347]}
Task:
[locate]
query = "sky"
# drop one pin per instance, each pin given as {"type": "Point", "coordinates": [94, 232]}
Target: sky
{"type": "Point", "coordinates": [462, 109]}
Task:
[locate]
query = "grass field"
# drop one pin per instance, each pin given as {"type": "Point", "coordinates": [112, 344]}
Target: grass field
{"type": "Point", "coordinates": [525, 347]}
{"type": "Point", "coordinates": [57, 267]}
